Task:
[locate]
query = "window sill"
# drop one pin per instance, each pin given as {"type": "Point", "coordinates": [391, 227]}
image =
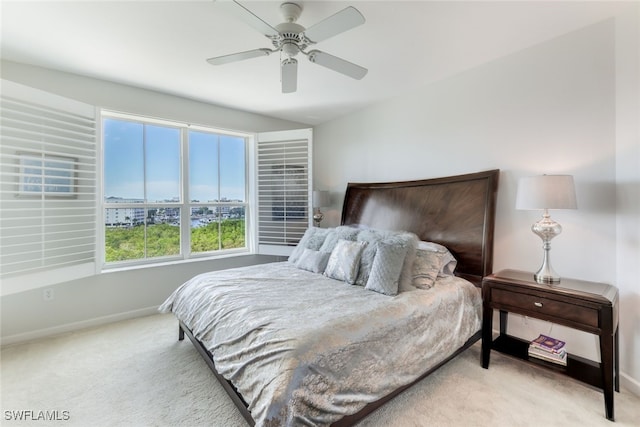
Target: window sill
{"type": "Point", "coordinates": [116, 269]}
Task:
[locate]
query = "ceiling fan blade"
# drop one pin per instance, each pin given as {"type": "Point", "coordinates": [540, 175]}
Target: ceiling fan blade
{"type": "Point", "coordinates": [337, 64]}
{"type": "Point", "coordinates": [289, 75]}
{"type": "Point", "coordinates": [340, 22]}
{"type": "Point", "coordinates": [248, 17]}
{"type": "Point", "coordinates": [225, 59]}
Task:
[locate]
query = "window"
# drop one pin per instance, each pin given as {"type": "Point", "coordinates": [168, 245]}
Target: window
{"type": "Point", "coordinates": [172, 191]}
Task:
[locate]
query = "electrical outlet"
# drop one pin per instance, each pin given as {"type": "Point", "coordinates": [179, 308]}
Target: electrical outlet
{"type": "Point", "coordinates": [47, 294]}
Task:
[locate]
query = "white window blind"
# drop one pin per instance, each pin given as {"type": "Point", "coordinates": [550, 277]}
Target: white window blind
{"type": "Point", "coordinates": [47, 188]}
{"type": "Point", "coordinates": [284, 187]}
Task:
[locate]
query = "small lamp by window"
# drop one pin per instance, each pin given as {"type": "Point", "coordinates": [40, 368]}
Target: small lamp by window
{"type": "Point", "coordinates": [320, 200]}
{"type": "Point", "coordinates": [546, 192]}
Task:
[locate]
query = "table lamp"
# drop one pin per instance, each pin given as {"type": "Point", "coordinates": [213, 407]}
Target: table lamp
{"type": "Point", "coordinates": [320, 200]}
{"type": "Point", "coordinates": [546, 192]}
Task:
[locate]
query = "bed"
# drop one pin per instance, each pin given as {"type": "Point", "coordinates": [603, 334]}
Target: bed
{"type": "Point", "coordinates": [349, 322]}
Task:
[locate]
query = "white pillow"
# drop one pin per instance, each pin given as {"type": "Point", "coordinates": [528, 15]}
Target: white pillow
{"type": "Point", "coordinates": [313, 261]}
{"type": "Point", "coordinates": [345, 260]}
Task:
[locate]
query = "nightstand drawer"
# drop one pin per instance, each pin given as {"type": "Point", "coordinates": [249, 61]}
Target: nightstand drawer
{"type": "Point", "coordinates": [546, 307]}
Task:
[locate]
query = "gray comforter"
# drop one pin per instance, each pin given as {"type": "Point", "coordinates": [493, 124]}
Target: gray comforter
{"type": "Point", "coordinates": [303, 349]}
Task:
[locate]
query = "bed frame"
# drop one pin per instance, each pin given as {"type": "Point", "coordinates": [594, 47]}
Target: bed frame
{"type": "Point", "coordinates": [456, 211]}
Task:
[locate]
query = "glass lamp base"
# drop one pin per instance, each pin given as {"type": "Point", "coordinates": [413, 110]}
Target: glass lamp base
{"type": "Point", "coordinates": [546, 229]}
{"type": "Point", "coordinates": [546, 274]}
{"type": "Point", "coordinates": [317, 218]}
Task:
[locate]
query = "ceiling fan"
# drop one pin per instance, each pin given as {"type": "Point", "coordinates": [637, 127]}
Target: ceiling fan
{"type": "Point", "coordinates": [290, 39]}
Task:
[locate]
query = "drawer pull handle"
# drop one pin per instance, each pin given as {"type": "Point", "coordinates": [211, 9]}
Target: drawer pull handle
{"type": "Point", "coordinates": [537, 304]}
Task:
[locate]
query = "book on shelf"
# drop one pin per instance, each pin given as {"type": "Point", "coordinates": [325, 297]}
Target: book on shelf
{"type": "Point", "coordinates": [549, 349]}
{"type": "Point", "coordinates": [548, 344]}
{"type": "Point", "coordinates": [557, 357]}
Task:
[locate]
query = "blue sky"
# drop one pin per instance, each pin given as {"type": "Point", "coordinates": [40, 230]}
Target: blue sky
{"type": "Point", "coordinates": [124, 160]}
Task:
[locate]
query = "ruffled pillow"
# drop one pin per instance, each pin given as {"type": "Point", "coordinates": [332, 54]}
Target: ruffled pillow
{"type": "Point", "coordinates": [425, 269]}
{"type": "Point", "coordinates": [448, 262]}
{"type": "Point", "coordinates": [431, 261]}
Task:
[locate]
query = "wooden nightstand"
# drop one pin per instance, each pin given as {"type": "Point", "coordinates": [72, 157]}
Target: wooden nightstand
{"type": "Point", "coordinates": [587, 306]}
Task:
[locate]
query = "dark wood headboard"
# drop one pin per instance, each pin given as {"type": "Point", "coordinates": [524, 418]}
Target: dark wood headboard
{"type": "Point", "coordinates": [456, 211]}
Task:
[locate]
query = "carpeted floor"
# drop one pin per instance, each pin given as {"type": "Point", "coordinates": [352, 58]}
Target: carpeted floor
{"type": "Point", "coordinates": [136, 373]}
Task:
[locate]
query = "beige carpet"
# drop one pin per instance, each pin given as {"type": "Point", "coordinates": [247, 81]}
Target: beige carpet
{"type": "Point", "coordinates": [136, 373]}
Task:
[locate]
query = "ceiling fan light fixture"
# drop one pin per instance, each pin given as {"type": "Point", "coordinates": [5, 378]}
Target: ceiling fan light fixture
{"type": "Point", "coordinates": [290, 49]}
{"type": "Point", "coordinates": [289, 75]}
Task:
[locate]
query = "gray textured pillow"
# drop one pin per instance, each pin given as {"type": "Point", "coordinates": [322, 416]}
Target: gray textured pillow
{"type": "Point", "coordinates": [313, 238]}
{"type": "Point", "coordinates": [387, 265]}
{"type": "Point", "coordinates": [344, 261]}
{"type": "Point", "coordinates": [406, 276]}
{"type": "Point", "coordinates": [373, 237]}
{"type": "Point", "coordinates": [314, 261]}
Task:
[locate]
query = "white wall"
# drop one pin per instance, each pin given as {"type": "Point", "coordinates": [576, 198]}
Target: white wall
{"type": "Point", "coordinates": [628, 189]}
{"type": "Point", "coordinates": [551, 108]}
{"type": "Point", "coordinates": [121, 294]}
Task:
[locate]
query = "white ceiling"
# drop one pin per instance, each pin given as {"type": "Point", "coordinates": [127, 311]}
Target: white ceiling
{"type": "Point", "coordinates": [162, 45]}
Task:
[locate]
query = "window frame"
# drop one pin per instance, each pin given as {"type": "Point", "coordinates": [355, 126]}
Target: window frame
{"type": "Point", "coordinates": [185, 205]}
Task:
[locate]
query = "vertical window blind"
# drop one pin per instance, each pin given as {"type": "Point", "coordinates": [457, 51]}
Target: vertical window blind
{"type": "Point", "coordinates": [47, 189]}
{"type": "Point", "coordinates": [284, 186]}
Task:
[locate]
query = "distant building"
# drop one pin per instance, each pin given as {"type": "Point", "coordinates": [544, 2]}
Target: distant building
{"type": "Point", "coordinates": [130, 216]}
{"type": "Point", "coordinates": [114, 217]}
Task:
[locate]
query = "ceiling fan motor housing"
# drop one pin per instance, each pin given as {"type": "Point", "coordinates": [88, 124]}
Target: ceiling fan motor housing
{"type": "Point", "coordinates": [291, 39]}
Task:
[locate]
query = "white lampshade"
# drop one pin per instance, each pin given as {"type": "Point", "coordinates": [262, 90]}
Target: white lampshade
{"type": "Point", "coordinates": [546, 192]}
{"type": "Point", "coordinates": [320, 199]}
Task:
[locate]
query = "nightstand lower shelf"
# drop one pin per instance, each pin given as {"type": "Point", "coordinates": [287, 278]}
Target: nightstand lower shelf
{"type": "Point", "coordinates": [578, 368]}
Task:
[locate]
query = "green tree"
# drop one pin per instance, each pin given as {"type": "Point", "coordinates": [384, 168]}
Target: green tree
{"type": "Point", "coordinates": [123, 244]}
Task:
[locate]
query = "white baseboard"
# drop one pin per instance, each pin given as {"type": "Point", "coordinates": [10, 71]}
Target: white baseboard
{"type": "Point", "coordinates": [75, 326]}
{"type": "Point", "coordinates": [629, 383]}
